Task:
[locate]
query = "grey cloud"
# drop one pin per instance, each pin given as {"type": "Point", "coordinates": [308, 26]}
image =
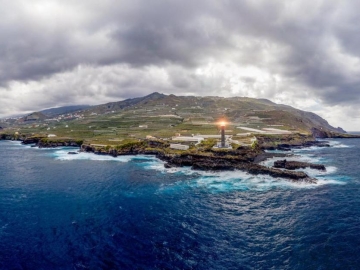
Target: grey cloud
{"type": "Point", "coordinates": [314, 45]}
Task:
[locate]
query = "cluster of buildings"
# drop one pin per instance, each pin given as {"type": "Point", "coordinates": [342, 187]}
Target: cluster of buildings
{"type": "Point", "coordinates": [68, 116]}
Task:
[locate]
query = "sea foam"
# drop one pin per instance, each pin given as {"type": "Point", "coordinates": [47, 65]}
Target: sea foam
{"type": "Point", "coordinates": [62, 154]}
{"type": "Point", "coordinates": [337, 144]}
{"type": "Point", "coordinates": [223, 181]}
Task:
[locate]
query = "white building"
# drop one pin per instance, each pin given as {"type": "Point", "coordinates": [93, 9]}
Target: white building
{"type": "Point", "coordinates": [187, 138]}
{"type": "Point", "coordinates": [244, 134]}
{"type": "Point", "coordinates": [213, 136]}
{"type": "Point", "coordinates": [179, 146]}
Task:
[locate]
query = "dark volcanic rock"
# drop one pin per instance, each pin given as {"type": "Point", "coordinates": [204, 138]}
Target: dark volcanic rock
{"type": "Point", "coordinates": [284, 147]}
{"type": "Point", "coordinates": [293, 165]}
{"type": "Point", "coordinates": [317, 144]}
{"type": "Point", "coordinates": [73, 153]}
{"type": "Point", "coordinates": [291, 175]}
{"type": "Point", "coordinates": [213, 166]}
{"type": "Point", "coordinates": [101, 152]}
{"type": "Point", "coordinates": [87, 148]}
{"type": "Point", "coordinates": [264, 156]}
{"type": "Point", "coordinates": [287, 147]}
{"type": "Point", "coordinates": [320, 133]}
{"type": "Point", "coordinates": [31, 140]}
{"type": "Point", "coordinates": [209, 161]}
{"type": "Point", "coordinates": [168, 166]}
{"type": "Point", "coordinates": [288, 142]}
{"type": "Point", "coordinates": [54, 144]}
{"type": "Point", "coordinates": [113, 153]}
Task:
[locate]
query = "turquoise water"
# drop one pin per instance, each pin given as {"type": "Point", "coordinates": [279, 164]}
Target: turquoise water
{"type": "Point", "coordinates": [60, 211]}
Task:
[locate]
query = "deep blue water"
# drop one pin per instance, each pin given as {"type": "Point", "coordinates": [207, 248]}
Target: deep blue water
{"type": "Point", "coordinates": [59, 211]}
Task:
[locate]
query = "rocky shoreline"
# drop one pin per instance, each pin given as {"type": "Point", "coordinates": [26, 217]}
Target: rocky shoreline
{"type": "Point", "coordinates": [286, 143]}
{"type": "Point", "coordinates": [244, 158]}
{"type": "Point", "coordinates": [293, 165]}
{"type": "Point", "coordinates": [45, 143]}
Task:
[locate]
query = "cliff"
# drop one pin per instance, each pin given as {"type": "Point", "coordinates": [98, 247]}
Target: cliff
{"type": "Point", "coordinates": [43, 142]}
{"type": "Point", "coordinates": [323, 133]}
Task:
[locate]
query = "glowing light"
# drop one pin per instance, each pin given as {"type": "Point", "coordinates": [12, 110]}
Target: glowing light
{"type": "Point", "coordinates": [222, 123]}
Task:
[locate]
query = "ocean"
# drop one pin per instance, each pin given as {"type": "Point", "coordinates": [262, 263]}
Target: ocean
{"type": "Point", "coordinates": [60, 211]}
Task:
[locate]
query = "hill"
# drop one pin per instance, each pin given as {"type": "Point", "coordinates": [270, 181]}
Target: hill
{"type": "Point", "coordinates": [33, 117]}
{"type": "Point", "coordinates": [164, 116]}
{"type": "Point", "coordinates": [251, 112]}
{"type": "Point", "coordinates": [63, 110]}
{"type": "Point", "coordinates": [120, 105]}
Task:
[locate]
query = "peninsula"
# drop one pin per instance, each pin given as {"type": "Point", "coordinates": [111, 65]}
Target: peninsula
{"type": "Point", "coordinates": [182, 131]}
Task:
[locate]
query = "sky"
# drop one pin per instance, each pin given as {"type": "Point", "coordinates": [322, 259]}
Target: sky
{"type": "Point", "coordinates": [303, 53]}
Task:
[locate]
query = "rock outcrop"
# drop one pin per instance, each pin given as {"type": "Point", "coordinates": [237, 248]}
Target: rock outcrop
{"type": "Point", "coordinates": [54, 144]}
{"type": "Point", "coordinates": [31, 140]}
{"type": "Point", "coordinates": [321, 133]}
{"type": "Point", "coordinates": [212, 163]}
{"type": "Point", "coordinates": [288, 142]}
{"type": "Point", "coordinates": [242, 159]}
{"type": "Point", "coordinates": [293, 165]}
{"type": "Point", "coordinates": [42, 142]}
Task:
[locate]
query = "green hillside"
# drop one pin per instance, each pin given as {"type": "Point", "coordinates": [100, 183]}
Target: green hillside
{"type": "Point", "coordinates": [164, 116]}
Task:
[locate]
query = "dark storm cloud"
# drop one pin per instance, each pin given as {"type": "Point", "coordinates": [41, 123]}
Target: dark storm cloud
{"type": "Point", "coordinates": [137, 33]}
{"type": "Point", "coordinates": [313, 44]}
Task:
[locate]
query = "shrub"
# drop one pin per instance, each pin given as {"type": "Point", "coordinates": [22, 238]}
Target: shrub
{"type": "Point", "coordinates": [79, 142]}
{"type": "Point", "coordinates": [255, 145]}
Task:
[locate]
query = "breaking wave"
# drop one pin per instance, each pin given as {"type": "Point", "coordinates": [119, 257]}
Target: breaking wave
{"type": "Point", "coordinates": [337, 144]}
{"type": "Point", "coordinates": [217, 181]}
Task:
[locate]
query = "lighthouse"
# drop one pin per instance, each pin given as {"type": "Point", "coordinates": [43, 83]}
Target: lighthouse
{"type": "Point", "coordinates": [222, 144]}
{"type": "Point", "coordinates": [224, 140]}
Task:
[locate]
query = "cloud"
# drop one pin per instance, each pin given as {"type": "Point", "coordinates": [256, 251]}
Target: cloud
{"type": "Point", "coordinates": [65, 52]}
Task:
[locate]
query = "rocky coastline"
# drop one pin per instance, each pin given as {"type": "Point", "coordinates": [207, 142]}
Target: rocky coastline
{"type": "Point", "coordinates": [46, 143]}
{"type": "Point", "coordinates": [288, 142]}
{"type": "Point", "coordinates": [293, 165]}
{"type": "Point", "coordinates": [324, 134]}
{"type": "Point", "coordinates": [245, 159]}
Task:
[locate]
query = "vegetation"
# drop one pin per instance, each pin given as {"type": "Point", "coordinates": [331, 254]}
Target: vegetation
{"type": "Point", "coordinates": [207, 145]}
{"type": "Point", "coordinates": [255, 145]}
{"type": "Point", "coordinates": [119, 123]}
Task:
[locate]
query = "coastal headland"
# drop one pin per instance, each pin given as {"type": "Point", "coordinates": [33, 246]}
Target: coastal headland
{"type": "Point", "coordinates": [183, 131]}
{"type": "Point", "coordinates": [202, 156]}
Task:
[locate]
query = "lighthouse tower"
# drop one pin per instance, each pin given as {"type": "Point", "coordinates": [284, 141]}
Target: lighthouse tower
{"type": "Point", "coordinates": [222, 144]}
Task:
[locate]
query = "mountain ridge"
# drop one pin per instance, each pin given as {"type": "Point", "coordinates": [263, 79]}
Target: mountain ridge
{"type": "Point", "coordinates": [231, 104]}
{"type": "Point", "coordinates": [164, 116]}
